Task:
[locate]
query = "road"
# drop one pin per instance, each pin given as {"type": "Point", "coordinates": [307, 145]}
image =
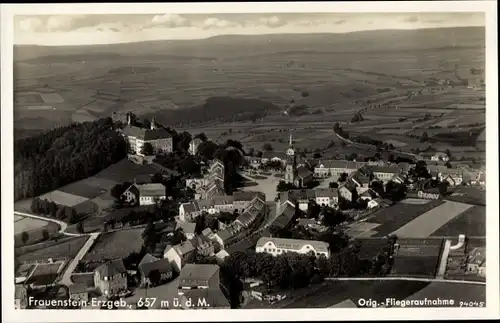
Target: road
{"type": "Point", "coordinates": [66, 278]}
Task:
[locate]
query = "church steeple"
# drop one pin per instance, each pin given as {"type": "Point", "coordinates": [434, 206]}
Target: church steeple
{"type": "Point", "coordinates": [291, 140]}
{"type": "Point", "coordinates": [153, 125]}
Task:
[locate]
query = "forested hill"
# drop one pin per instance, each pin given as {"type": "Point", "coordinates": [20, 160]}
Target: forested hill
{"type": "Point", "coordinates": [61, 156]}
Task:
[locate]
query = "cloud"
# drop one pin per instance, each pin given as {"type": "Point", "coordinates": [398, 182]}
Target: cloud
{"type": "Point", "coordinates": [210, 23]}
{"type": "Point", "coordinates": [170, 20]}
{"type": "Point", "coordinates": [272, 22]}
{"type": "Point", "coordinates": [411, 19]}
{"type": "Point", "coordinates": [32, 24]}
{"type": "Point", "coordinates": [339, 22]}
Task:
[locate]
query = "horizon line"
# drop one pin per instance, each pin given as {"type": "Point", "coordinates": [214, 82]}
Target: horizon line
{"type": "Point", "coordinates": [262, 34]}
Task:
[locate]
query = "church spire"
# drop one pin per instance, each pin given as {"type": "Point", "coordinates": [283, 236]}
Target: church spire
{"type": "Point", "coordinates": [291, 139]}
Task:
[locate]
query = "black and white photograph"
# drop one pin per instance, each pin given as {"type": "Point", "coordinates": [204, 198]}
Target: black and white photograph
{"type": "Point", "coordinates": [233, 156]}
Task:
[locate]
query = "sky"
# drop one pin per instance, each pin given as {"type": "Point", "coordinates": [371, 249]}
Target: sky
{"type": "Point", "coordinates": [59, 30]}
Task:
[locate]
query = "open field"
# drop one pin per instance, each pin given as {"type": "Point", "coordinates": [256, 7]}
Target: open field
{"type": "Point", "coordinates": [28, 224]}
{"type": "Point", "coordinates": [47, 269]}
{"type": "Point", "coordinates": [65, 248]}
{"type": "Point", "coordinates": [396, 216]}
{"type": "Point", "coordinates": [334, 292]}
{"type": "Point", "coordinates": [417, 257]}
{"type": "Point", "coordinates": [427, 223]}
{"type": "Point", "coordinates": [117, 244]}
{"type": "Point", "coordinates": [472, 222]}
{"type": "Point", "coordinates": [34, 228]}
{"type": "Point", "coordinates": [63, 198]}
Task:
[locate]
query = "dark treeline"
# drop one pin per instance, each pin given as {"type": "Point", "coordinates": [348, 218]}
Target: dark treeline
{"type": "Point", "coordinates": [64, 155]}
{"type": "Point", "coordinates": [223, 109]}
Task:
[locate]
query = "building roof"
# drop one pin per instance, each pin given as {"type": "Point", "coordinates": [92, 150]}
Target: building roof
{"type": "Point", "coordinates": [342, 164]}
{"type": "Point", "coordinates": [111, 268]}
{"type": "Point", "coordinates": [478, 256]}
{"type": "Point", "coordinates": [385, 169]}
{"type": "Point", "coordinates": [274, 154]}
{"type": "Point", "coordinates": [308, 194]}
{"type": "Point", "coordinates": [207, 232]}
{"type": "Point", "coordinates": [187, 227]}
{"type": "Point", "coordinates": [212, 297]}
{"type": "Point", "coordinates": [196, 141]}
{"type": "Point", "coordinates": [404, 166]}
{"type": "Point", "coordinates": [222, 254]}
{"type": "Point", "coordinates": [306, 222]}
{"type": "Point", "coordinates": [225, 234]}
{"type": "Point", "coordinates": [369, 193]}
{"type": "Point", "coordinates": [193, 275]}
{"type": "Point", "coordinates": [146, 134]}
{"type": "Point", "coordinates": [247, 195]}
{"type": "Point", "coordinates": [293, 244]}
{"type": "Point", "coordinates": [151, 189]}
{"type": "Point", "coordinates": [77, 288]}
{"type": "Point", "coordinates": [162, 265]}
{"type": "Point", "coordinates": [303, 172]}
{"type": "Point", "coordinates": [190, 207]}
{"type": "Point", "coordinates": [286, 215]}
{"type": "Point", "coordinates": [147, 258]}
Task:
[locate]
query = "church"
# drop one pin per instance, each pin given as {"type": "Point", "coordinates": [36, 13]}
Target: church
{"type": "Point", "coordinates": [300, 177]}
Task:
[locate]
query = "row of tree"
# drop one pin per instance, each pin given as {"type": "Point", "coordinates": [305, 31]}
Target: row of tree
{"type": "Point", "coordinates": [54, 210]}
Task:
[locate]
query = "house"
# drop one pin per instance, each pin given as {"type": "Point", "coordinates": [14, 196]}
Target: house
{"type": "Point", "coordinates": [368, 195]}
{"type": "Point", "coordinates": [111, 278]}
{"type": "Point", "coordinates": [385, 173]}
{"type": "Point", "coordinates": [188, 228]}
{"type": "Point", "coordinates": [378, 202]}
{"type": "Point", "coordinates": [334, 168]}
{"type": "Point", "coordinates": [277, 246]}
{"type": "Point", "coordinates": [180, 254]}
{"type": "Point", "coordinates": [476, 262]}
{"type": "Point", "coordinates": [481, 180]}
{"type": "Point", "coordinates": [159, 138]}
{"type": "Point", "coordinates": [304, 177]}
{"type": "Point", "coordinates": [193, 146]}
{"type": "Point", "coordinates": [78, 292]}
{"type": "Point", "coordinates": [453, 176]}
{"type": "Point", "coordinates": [440, 157]}
{"type": "Point", "coordinates": [145, 194]}
{"type": "Point", "coordinates": [220, 256]}
{"type": "Point", "coordinates": [399, 178]}
{"type": "Point", "coordinates": [285, 213]}
{"type": "Point", "coordinates": [207, 232]}
{"type": "Point", "coordinates": [198, 276]}
{"type": "Point", "coordinates": [268, 156]}
{"type": "Point", "coordinates": [20, 296]}
{"type": "Point", "coordinates": [211, 184]}
{"type": "Point", "coordinates": [222, 237]}
{"type": "Point", "coordinates": [429, 194]}
{"type": "Point", "coordinates": [147, 266]}
{"type": "Point", "coordinates": [346, 190]}
{"type": "Point", "coordinates": [204, 245]}
{"type": "Point", "coordinates": [311, 224]}
{"type": "Point", "coordinates": [404, 167]}
{"type": "Point", "coordinates": [322, 197]}
{"type": "Point", "coordinates": [211, 298]}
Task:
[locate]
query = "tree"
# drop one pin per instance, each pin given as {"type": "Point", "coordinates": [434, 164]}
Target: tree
{"type": "Point", "coordinates": [424, 137]}
{"type": "Point", "coordinates": [147, 149]}
{"type": "Point", "coordinates": [154, 277]}
{"type": "Point", "coordinates": [343, 177]}
{"type": "Point", "coordinates": [274, 230]}
{"type": "Point", "coordinates": [284, 186]}
{"type": "Point", "coordinates": [333, 185]}
{"type": "Point", "coordinates": [45, 234]}
{"type": "Point", "coordinates": [202, 136]}
{"type": "Point", "coordinates": [267, 147]}
{"type": "Point", "coordinates": [156, 178]}
{"type": "Point", "coordinates": [25, 237]}
{"type": "Point", "coordinates": [79, 227]}
{"type": "Point", "coordinates": [378, 187]}
{"type": "Point", "coordinates": [317, 155]}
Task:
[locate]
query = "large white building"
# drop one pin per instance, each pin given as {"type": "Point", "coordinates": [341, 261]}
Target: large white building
{"type": "Point", "coordinates": [145, 194]}
{"type": "Point", "coordinates": [278, 246]}
{"type": "Point", "coordinates": [159, 138]}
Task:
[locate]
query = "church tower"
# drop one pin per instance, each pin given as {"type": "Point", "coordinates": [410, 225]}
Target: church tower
{"type": "Point", "coordinates": [153, 124]}
{"type": "Point", "coordinates": [291, 163]}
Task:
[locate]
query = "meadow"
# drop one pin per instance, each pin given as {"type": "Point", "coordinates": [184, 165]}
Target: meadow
{"type": "Point", "coordinates": [64, 248]}
{"type": "Point", "coordinates": [116, 244]}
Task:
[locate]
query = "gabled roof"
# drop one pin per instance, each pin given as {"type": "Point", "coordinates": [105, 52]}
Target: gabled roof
{"type": "Point", "coordinates": [293, 244]}
{"type": "Point", "coordinates": [286, 215]}
{"type": "Point", "coordinates": [77, 288]}
{"type": "Point", "coordinates": [162, 265]}
{"type": "Point", "coordinates": [147, 258]}
{"type": "Point", "coordinates": [303, 172]}
{"type": "Point", "coordinates": [187, 227]}
{"type": "Point", "coordinates": [111, 268]}
{"type": "Point", "coordinates": [151, 189]}
{"type": "Point", "coordinates": [194, 275]}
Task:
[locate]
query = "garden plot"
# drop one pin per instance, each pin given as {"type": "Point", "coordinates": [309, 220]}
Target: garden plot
{"type": "Point", "coordinates": [63, 198]}
{"type": "Point", "coordinates": [426, 224]}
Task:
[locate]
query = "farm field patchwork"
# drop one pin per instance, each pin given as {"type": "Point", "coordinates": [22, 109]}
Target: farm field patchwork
{"type": "Point", "coordinates": [427, 223]}
{"type": "Point", "coordinates": [116, 244]}
{"type": "Point", "coordinates": [472, 222]}
{"type": "Point", "coordinates": [396, 216]}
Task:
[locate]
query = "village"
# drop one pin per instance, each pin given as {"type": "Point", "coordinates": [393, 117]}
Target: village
{"type": "Point", "coordinates": [240, 231]}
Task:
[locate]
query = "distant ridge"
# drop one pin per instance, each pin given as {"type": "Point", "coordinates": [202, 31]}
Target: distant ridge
{"type": "Point", "coordinates": [227, 46]}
